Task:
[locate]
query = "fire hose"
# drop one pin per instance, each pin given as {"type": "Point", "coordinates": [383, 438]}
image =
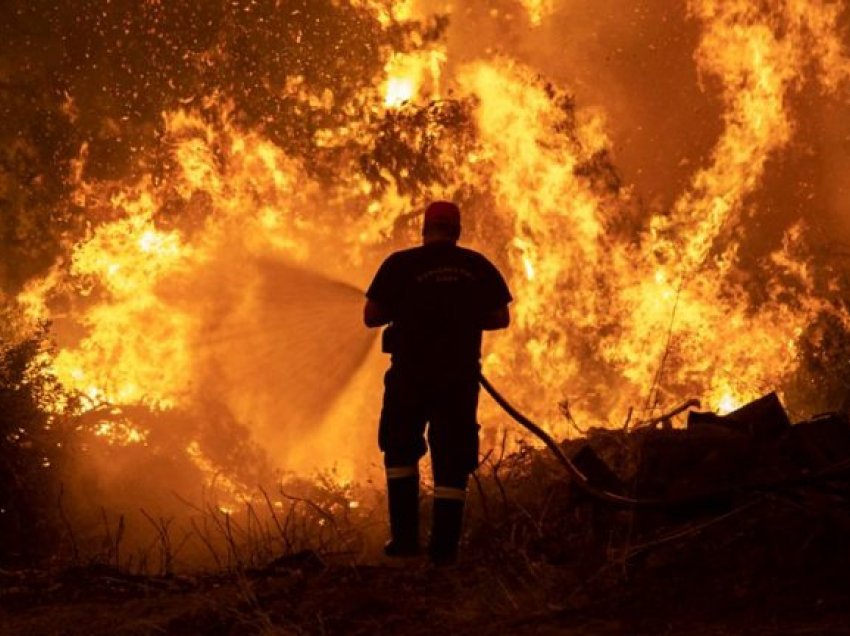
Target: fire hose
{"type": "Point", "coordinates": [600, 494]}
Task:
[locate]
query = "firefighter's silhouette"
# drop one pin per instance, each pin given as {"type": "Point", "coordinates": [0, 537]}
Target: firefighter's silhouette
{"type": "Point", "coordinates": [436, 299]}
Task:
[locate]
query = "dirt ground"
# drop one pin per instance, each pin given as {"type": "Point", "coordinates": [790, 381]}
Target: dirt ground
{"type": "Point", "coordinates": [412, 598]}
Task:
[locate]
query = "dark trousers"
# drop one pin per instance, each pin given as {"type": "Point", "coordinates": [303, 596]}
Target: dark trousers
{"type": "Point", "coordinates": [447, 403]}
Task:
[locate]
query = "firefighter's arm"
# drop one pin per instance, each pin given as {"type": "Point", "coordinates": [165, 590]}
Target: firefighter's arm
{"type": "Point", "coordinates": [375, 314]}
{"type": "Point", "coordinates": [498, 319]}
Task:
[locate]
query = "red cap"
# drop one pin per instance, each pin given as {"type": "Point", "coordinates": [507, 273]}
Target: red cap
{"type": "Point", "coordinates": [443, 214]}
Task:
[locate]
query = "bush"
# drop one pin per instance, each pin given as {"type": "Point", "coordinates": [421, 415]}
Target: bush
{"type": "Point", "coordinates": [33, 409]}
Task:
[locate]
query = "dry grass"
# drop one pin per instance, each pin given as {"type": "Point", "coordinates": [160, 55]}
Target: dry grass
{"type": "Point", "coordinates": [538, 558]}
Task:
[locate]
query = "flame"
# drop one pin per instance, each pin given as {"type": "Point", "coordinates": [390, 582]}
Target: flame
{"type": "Point", "coordinates": [120, 433]}
{"type": "Point", "coordinates": [534, 180]}
{"type": "Point", "coordinates": [741, 49]}
{"type": "Point", "coordinates": [411, 75]}
{"type": "Point", "coordinates": [727, 403]}
{"type": "Point", "coordinates": [389, 12]}
{"type": "Point", "coordinates": [538, 10]}
{"type": "Point", "coordinates": [616, 305]}
{"type": "Point", "coordinates": [671, 294]}
{"type": "Point", "coordinates": [125, 261]}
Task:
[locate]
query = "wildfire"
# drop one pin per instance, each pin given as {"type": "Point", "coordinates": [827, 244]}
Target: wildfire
{"type": "Point", "coordinates": [389, 11]}
{"type": "Point", "coordinates": [120, 433]}
{"type": "Point", "coordinates": [727, 403]}
{"type": "Point", "coordinates": [613, 308]}
{"type": "Point", "coordinates": [538, 10]}
{"type": "Point", "coordinates": [413, 76]}
{"type": "Point", "coordinates": [121, 265]}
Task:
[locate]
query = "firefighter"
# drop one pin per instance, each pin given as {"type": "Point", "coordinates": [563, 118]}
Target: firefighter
{"type": "Point", "coordinates": [435, 299]}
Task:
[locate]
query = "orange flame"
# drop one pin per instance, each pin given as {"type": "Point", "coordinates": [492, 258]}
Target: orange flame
{"type": "Point", "coordinates": [603, 316]}
{"type": "Point", "coordinates": [538, 10]}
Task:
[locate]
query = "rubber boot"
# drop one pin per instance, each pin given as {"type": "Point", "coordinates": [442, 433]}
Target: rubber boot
{"type": "Point", "coordinates": [403, 502]}
{"type": "Point", "coordinates": [445, 531]}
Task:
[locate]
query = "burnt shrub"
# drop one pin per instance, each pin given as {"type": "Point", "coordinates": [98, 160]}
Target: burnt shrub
{"type": "Point", "coordinates": [33, 412]}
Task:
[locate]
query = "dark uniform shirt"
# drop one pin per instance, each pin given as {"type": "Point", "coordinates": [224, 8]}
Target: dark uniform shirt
{"type": "Point", "coordinates": [437, 296]}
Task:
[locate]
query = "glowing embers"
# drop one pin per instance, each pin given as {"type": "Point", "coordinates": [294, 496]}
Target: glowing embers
{"type": "Point", "coordinates": [120, 433]}
{"type": "Point", "coordinates": [228, 491]}
{"type": "Point", "coordinates": [113, 426]}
